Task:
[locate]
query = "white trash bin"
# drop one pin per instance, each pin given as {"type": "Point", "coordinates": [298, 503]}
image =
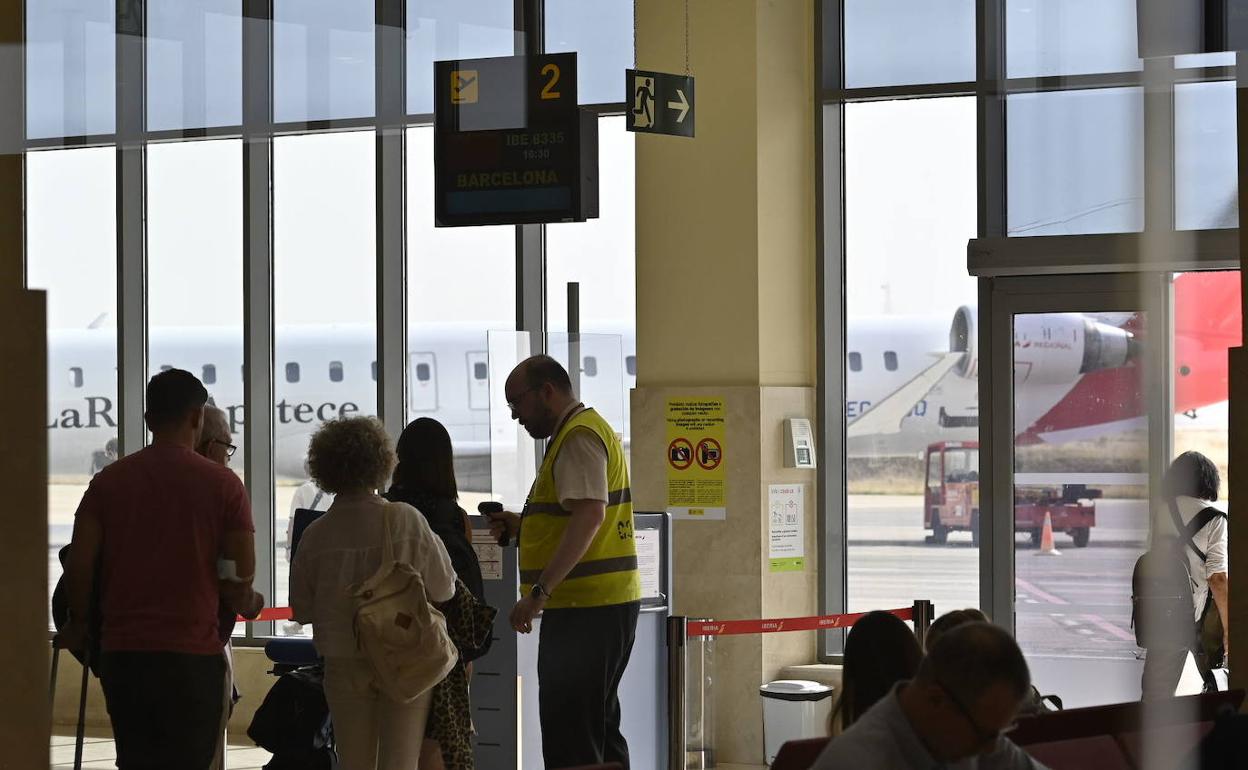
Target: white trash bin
{"type": "Point", "coordinates": [793, 709]}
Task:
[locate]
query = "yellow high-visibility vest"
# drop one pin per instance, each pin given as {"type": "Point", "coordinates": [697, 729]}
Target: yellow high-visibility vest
{"type": "Point", "coordinates": [607, 573]}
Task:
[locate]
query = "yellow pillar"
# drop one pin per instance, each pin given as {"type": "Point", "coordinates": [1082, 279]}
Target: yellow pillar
{"type": "Point", "coordinates": [726, 307]}
{"type": "Point", "coordinates": [24, 646]}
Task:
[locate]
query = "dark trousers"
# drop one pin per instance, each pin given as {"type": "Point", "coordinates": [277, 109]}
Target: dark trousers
{"type": "Point", "coordinates": [165, 707]}
{"type": "Point", "coordinates": [1162, 669]}
{"type": "Point", "coordinates": [581, 657]}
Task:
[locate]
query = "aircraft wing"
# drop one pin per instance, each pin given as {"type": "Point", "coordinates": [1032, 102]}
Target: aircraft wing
{"type": "Point", "coordinates": [886, 416]}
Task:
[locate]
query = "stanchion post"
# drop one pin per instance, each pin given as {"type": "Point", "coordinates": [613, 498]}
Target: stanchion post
{"type": "Point", "coordinates": [923, 616]}
{"type": "Point", "coordinates": [677, 627]}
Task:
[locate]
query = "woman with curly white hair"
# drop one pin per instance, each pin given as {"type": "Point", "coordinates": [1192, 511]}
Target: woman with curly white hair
{"type": "Point", "coordinates": [352, 458]}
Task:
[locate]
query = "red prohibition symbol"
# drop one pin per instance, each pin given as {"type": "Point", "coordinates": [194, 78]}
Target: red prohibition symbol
{"type": "Point", "coordinates": [680, 453]}
{"type": "Point", "coordinates": [710, 454]}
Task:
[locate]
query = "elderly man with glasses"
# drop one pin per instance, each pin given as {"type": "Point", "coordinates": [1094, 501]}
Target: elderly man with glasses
{"type": "Point", "coordinates": [954, 714]}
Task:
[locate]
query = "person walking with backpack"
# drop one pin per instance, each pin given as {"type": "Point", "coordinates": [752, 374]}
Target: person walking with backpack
{"type": "Point", "coordinates": [340, 554]}
{"type": "Point", "coordinates": [1192, 534]}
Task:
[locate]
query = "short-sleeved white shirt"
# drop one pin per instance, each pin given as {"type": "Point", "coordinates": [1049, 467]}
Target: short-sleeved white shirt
{"type": "Point", "coordinates": [343, 548]}
{"type": "Point", "coordinates": [581, 465]}
{"type": "Point", "coordinates": [1211, 539]}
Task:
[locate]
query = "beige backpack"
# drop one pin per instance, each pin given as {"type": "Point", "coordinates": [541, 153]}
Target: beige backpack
{"type": "Point", "coordinates": [402, 635]}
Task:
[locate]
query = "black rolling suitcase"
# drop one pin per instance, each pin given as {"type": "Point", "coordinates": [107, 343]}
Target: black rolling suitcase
{"type": "Point", "coordinates": [80, 734]}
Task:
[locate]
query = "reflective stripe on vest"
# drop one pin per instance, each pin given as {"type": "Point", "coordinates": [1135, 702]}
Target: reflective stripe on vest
{"type": "Point", "coordinates": [607, 573]}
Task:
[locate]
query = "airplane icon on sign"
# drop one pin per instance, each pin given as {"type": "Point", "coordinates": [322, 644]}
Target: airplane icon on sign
{"type": "Point", "coordinates": [464, 86]}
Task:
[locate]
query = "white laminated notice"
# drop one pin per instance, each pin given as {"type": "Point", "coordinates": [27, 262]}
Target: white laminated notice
{"type": "Point", "coordinates": [649, 561]}
{"type": "Point", "coordinates": [489, 554]}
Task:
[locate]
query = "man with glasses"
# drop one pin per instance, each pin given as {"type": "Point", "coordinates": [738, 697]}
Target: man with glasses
{"type": "Point", "coordinates": [578, 567]}
{"type": "Point", "coordinates": [953, 715]}
{"type": "Point", "coordinates": [214, 442]}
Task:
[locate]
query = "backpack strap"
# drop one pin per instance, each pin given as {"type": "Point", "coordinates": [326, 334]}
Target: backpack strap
{"type": "Point", "coordinates": [387, 536]}
{"type": "Point", "coordinates": [1188, 531]}
{"type": "Point", "coordinates": [317, 500]}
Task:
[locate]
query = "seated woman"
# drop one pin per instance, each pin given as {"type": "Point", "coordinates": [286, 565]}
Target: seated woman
{"type": "Point", "coordinates": [880, 651]}
{"type": "Point", "coordinates": [425, 479]}
{"type": "Point", "coordinates": [351, 458]}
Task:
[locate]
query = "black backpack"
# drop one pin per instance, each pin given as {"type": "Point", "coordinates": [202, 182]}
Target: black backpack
{"type": "Point", "coordinates": [293, 720]}
{"type": "Point", "coordinates": [1162, 611]}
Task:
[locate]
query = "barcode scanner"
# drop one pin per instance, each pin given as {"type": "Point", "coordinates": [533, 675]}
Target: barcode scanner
{"type": "Point", "coordinates": [491, 507]}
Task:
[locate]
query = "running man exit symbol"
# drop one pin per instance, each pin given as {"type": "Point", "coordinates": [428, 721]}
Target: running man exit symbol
{"type": "Point", "coordinates": [660, 103]}
{"type": "Point", "coordinates": [643, 101]}
{"type": "Point", "coordinates": [464, 86]}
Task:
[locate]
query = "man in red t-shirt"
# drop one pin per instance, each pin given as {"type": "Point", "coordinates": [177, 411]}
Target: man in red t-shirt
{"type": "Point", "coordinates": [156, 522]}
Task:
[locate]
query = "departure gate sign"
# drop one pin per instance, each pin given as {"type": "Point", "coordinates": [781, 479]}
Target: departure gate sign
{"type": "Point", "coordinates": [511, 146]}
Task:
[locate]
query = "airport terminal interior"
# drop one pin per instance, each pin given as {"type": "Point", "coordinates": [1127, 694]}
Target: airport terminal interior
{"type": "Point", "coordinates": [896, 305]}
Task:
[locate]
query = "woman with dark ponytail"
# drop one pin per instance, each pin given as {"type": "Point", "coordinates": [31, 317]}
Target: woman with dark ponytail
{"type": "Point", "coordinates": [425, 479]}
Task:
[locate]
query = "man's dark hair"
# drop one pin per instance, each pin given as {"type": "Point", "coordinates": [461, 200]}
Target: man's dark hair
{"type": "Point", "coordinates": [542, 369]}
{"type": "Point", "coordinates": [969, 659]}
{"type": "Point", "coordinates": [170, 395]}
{"type": "Point", "coordinates": [1194, 475]}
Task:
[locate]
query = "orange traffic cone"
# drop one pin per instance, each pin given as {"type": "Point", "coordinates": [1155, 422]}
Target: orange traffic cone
{"type": "Point", "coordinates": [1046, 538]}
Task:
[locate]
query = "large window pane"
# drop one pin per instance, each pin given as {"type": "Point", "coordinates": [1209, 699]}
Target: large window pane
{"type": "Point", "coordinates": [1070, 37]}
{"type": "Point", "coordinates": [324, 300]}
{"type": "Point", "coordinates": [451, 272]}
{"type": "Point", "coordinates": [1081, 466]}
{"type": "Point", "coordinates": [601, 33]}
{"type": "Point", "coordinates": [1206, 186]}
{"type": "Point", "coordinates": [909, 210]}
{"type": "Point", "coordinates": [600, 255]}
{"type": "Point", "coordinates": [194, 63]}
{"type": "Point", "coordinates": [76, 266]}
{"type": "Point", "coordinates": [1076, 162]}
{"type": "Point", "coordinates": [323, 59]}
{"type": "Point", "coordinates": [452, 29]}
{"type": "Point", "coordinates": [195, 269]}
{"type": "Point", "coordinates": [904, 42]}
{"type": "Point", "coordinates": [70, 65]}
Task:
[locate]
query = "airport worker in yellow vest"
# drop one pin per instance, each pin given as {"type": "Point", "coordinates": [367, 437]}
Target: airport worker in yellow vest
{"type": "Point", "coordinates": [578, 567]}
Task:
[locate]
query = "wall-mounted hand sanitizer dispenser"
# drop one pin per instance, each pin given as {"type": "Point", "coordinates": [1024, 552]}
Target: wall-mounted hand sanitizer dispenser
{"type": "Point", "coordinates": [799, 443]}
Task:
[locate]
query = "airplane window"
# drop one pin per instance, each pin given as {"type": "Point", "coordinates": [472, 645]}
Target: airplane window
{"type": "Point", "coordinates": [374, 371]}
{"type": "Point", "coordinates": [890, 360]}
{"type": "Point", "coordinates": [422, 372]}
{"type": "Point", "coordinates": [630, 365]}
{"type": "Point", "coordinates": [855, 362]}
{"type": "Point", "coordinates": [591, 366]}
{"type": "Point", "coordinates": [75, 376]}
{"type": "Point", "coordinates": [480, 371]}
{"type": "Point", "coordinates": [335, 371]}
{"type": "Point", "coordinates": [209, 374]}
{"type": "Point", "coordinates": [292, 372]}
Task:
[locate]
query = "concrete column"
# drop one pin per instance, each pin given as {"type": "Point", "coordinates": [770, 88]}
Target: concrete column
{"type": "Point", "coordinates": [726, 307]}
{"type": "Point", "coordinates": [24, 460]}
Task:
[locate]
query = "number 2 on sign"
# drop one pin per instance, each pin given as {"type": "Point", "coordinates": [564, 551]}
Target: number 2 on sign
{"type": "Point", "coordinates": [548, 90]}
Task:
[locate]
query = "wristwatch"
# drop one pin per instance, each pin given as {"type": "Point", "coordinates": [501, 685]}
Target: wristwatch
{"type": "Point", "coordinates": [538, 592]}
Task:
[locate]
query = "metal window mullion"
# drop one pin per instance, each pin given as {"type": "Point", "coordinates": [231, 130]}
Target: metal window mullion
{"type": "Point", "coordinates": [996, 526]}
{"type": "Point", "coordinates": [1158, 150]}
{"type": "Point", "coordinates": [391, 205]}
{"type": "Point", "coordinates": [531, 239]}
{"type": "Point", "coordinates": [830, 319]}
{"type": "Point", "coordinates": [12, 143]}
{"type": "Point", "coordinates": [131, 238]}
{"type": "Point", "coordinates": [258, 389]}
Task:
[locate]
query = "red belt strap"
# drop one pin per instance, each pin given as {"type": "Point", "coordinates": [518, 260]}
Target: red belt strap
{"type": "Point", "coordinates": [696, 628]}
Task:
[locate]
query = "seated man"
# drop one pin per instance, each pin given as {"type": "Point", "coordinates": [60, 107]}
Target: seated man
{"type": "Point", "coordinates": [952, 715]}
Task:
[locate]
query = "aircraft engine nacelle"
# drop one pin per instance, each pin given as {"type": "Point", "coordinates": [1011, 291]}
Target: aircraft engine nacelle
{"type": "Point", "coordinates": [1058, 348]}
{"type": "Point", "coordinates": [964, 338]}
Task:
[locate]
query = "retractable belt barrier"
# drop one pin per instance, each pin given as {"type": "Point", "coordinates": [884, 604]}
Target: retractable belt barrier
{"type": "Point", "coordinates": [691, 671]}
{"type": "Point", "coordinates": [697, 628]}
{"type": "Point", "coordinates": [269, 613]}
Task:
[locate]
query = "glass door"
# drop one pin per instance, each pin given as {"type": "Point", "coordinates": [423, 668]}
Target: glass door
{"type": "Point", "coordinates": [1077, 436]}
